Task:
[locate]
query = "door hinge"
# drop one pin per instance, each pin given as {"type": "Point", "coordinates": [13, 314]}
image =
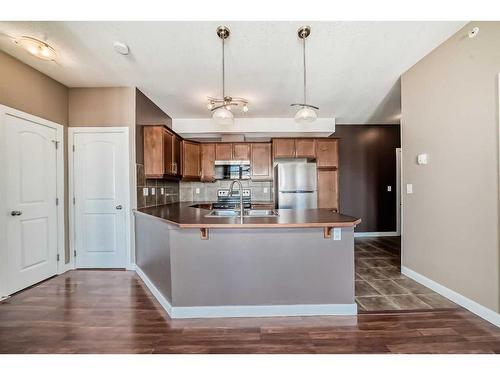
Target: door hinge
{"type": "Point", "coordinates": [73, 148]}
{"type": "Point", "coordinates": [56, 144]}
{"type": "Point", "coordinates": [57, 201]}
{"type": "Point", "coordinates": [74, 253]}
{"type": "Point", "coordinates": [74, 200]}
{"type": "Point", "coordinates": [58, 257]}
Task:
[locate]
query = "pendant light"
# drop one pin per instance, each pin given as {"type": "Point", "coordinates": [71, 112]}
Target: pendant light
{"type": "Point", "coordinates": [307, 112]}
{"type": "Point", "coordinates": [221, 107]}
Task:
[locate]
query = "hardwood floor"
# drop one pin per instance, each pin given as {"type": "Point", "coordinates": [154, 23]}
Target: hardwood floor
{"type": "Point", "coordinates": [112, 312]}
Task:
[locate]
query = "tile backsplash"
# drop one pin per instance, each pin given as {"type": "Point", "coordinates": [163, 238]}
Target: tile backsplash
{"type": "Point", "coordinates": [207, 191]}
{"type": "Point", "coordinates": [158, 191]}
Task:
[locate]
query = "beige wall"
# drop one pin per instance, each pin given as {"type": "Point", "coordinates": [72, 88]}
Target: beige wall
{"type": "Point", "coordinates": [28, 90]}
{"type": "Point", "coordinates": [102, 106]}
{"type": "Point", "coordinates": [450, 111]}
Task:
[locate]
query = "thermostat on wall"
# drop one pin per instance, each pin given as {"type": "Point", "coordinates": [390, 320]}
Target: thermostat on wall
{"type": "Point", "coordinates": [422, 159]}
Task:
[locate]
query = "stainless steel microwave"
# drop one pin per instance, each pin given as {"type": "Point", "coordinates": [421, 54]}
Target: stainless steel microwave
{"type": "Point", "coordinates": [232, 169]}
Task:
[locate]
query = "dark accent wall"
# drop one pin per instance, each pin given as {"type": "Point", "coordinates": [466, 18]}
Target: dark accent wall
{"type": "Point", "coordinates": [367, 166]}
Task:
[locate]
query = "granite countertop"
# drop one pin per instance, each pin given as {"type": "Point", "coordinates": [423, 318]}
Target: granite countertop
{"type": "Point", "coordinates": [185, 216]}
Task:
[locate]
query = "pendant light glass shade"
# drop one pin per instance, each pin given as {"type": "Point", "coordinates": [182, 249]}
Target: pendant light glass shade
{"type": "Point", "coordinates": [305, 114]}
{"type": "Point", "coordinates": [223, 116]}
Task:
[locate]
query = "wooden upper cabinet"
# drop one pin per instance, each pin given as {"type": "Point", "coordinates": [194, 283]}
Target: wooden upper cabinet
{"type": "Point", "coordinates": [176, 155]}
{"type": "Point", "coordinates": [260, 161]}
{"type": "Point", "coordinates": [168, 139]}
{"type": "Point", "coordinates": [284, 148]}
{"type": "Point", "coordinates": [156, 151]}
{"type": "Point", "coordinates": [241, 151]}
{"type": "Point", "coordinates": [207, 162]}
{"type": "Point", "coordinates": [190, 160]}
{"type": "Point", "coordinates": [328, 189]}
{"type": "Point", "coordinates": [327, 153]}
{"type": "Point", "coordinates": [305, 148]}
{"type": "Point", "coordinates": [223, 151]}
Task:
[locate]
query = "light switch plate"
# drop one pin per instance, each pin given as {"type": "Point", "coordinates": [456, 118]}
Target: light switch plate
{"type": "Point", "coordinates": [145, 192]}
{"type": "Point", "coordinates": [162, 191]}
{"type": "Point", "coordinates": [337, 234]}
{"type": "Point", "coordinates": [422, 159]}
{"type": "Point", "coordinates": [409, 189]}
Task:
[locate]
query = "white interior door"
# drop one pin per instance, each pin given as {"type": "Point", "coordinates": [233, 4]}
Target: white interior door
{"type": "Point", "coordinates": [100, 191]}
{"type": "Point", "coordinates": [31, 192]}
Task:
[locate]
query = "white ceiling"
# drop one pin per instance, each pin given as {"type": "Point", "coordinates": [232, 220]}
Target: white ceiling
{"type": "Point", "coordinates": [353, 67]}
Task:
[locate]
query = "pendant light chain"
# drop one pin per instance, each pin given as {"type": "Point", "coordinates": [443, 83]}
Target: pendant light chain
{"type": "Point", "coordinates": [223, 72]}
{"type": "Point", "coordinates": [304, 60]}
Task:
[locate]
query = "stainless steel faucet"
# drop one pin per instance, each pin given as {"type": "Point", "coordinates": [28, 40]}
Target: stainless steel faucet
{"type": "Point", "coordinates": [241, 196]}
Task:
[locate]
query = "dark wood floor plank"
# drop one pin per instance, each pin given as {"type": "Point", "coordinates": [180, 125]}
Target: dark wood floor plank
{"type": "Point", "coordinates": [112, 312]}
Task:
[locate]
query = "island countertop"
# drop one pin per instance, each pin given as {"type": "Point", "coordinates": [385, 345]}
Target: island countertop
{"type": "Point", "coordinates": [185, 216]}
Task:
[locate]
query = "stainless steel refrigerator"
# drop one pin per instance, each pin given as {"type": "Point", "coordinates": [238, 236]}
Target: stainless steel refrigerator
{"type": "Point", "coordinates": [296, 185]}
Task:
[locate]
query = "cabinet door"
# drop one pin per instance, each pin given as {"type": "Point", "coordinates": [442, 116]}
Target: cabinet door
{"type": "Point", "coordinates": [207, 162]}
{"type": "Point", "coordinates": [328, 189]}
{"type": "Point", "coordinates": [168, 139]}
{"type": "Point", "coordinates": [305, 148]}
{"type": "Point", "coordinates": [241, 151]}
{"type": "Point", "coordinates": [284, 148]}
{"type": "Point", "coordinates": [223, 151]}
{"type": "Point", "coordinates": [327, 153]}
{"type": "Point", "coordinates": [191, 160]}
{"type": "Point", "coordinates": [260, 161]}
{"type": "Point", "coordinates": [176, 155]}
{"type": "Point", "coordinates": [154, 162]}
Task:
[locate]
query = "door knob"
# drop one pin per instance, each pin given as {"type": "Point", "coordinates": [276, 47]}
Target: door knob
{"type": "Point", "coordinates": [16, 213]}
{"type": "Point", "coordinates": [119, 207]}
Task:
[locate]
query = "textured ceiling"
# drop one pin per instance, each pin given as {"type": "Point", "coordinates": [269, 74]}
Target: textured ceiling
{"type": "Point", "coordinates": [353, 67]}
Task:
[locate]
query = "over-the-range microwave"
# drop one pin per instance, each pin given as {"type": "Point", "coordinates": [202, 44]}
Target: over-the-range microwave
{"type": "Point", "coordinates": [232, 169]}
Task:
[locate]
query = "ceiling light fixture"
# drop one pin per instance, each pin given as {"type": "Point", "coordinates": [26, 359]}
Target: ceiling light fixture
{"type": "Point", "coordinates": [221, 107]}
{"type": "Point", "coordinates": [36, 48]}
{"type": "Point", "coordinates": [307, 112]}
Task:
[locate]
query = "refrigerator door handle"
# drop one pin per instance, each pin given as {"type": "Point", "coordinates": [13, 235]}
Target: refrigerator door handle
{"type": "Point", "coordinates": [296, 191]}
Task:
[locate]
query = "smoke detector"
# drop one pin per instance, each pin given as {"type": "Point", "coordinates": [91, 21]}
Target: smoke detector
{"type": "Point", "coordinates": [121, 48]}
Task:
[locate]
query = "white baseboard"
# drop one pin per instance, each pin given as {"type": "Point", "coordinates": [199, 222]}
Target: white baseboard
{"type": "Point", "coordinates": [474, 307]}
{"type": "Point", "coordinates": [152, 288]}
{"type": "Point", "coordinates": [376, 234]}
{"type": "Point", "coordinates": [131, 267]}
{"type": "Point", "coordinates": [245, 311]}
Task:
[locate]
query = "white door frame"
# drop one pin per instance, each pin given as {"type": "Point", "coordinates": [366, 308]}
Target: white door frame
{"type": "Point", "coordinates": [72, 131]}
{"type": "Point", "coordinates": [399, 163]}
{"type": "Point", "coordinates": [61, 266]}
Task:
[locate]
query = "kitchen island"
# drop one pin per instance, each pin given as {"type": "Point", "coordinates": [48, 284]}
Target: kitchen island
{"type": "Point", "coordinates": [300, 262]}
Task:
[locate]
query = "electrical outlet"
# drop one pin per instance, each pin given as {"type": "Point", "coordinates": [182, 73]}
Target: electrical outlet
{"type": "Point", "coordinates": [197, 190]}
{"type": "Point", "coordinates": [265, 190]}
{"type": "Point", "coordinates": [153, 191]}
{"type": "Point", "coordinates": [145, 192]}
{"type": "Point", "coordinates": [337, 234]}
{"type": "Point", "coordinates": [389, 188]}
{"type": "Point", "coordinates": [162, 191]}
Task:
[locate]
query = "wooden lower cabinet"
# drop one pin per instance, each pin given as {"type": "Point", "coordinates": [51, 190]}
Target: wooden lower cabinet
{"type": "Point", "coordinates": [328, 188]}
{"type": "Point", "coordinates": [207, 162]}
{"type": "Point", "coordinates": [261, 167]}
{"type": "Point", "coordinates": [191, 167]}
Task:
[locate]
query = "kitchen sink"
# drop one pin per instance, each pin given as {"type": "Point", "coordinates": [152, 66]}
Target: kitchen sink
{"type": "Point", "coordinates": [246, 213]}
